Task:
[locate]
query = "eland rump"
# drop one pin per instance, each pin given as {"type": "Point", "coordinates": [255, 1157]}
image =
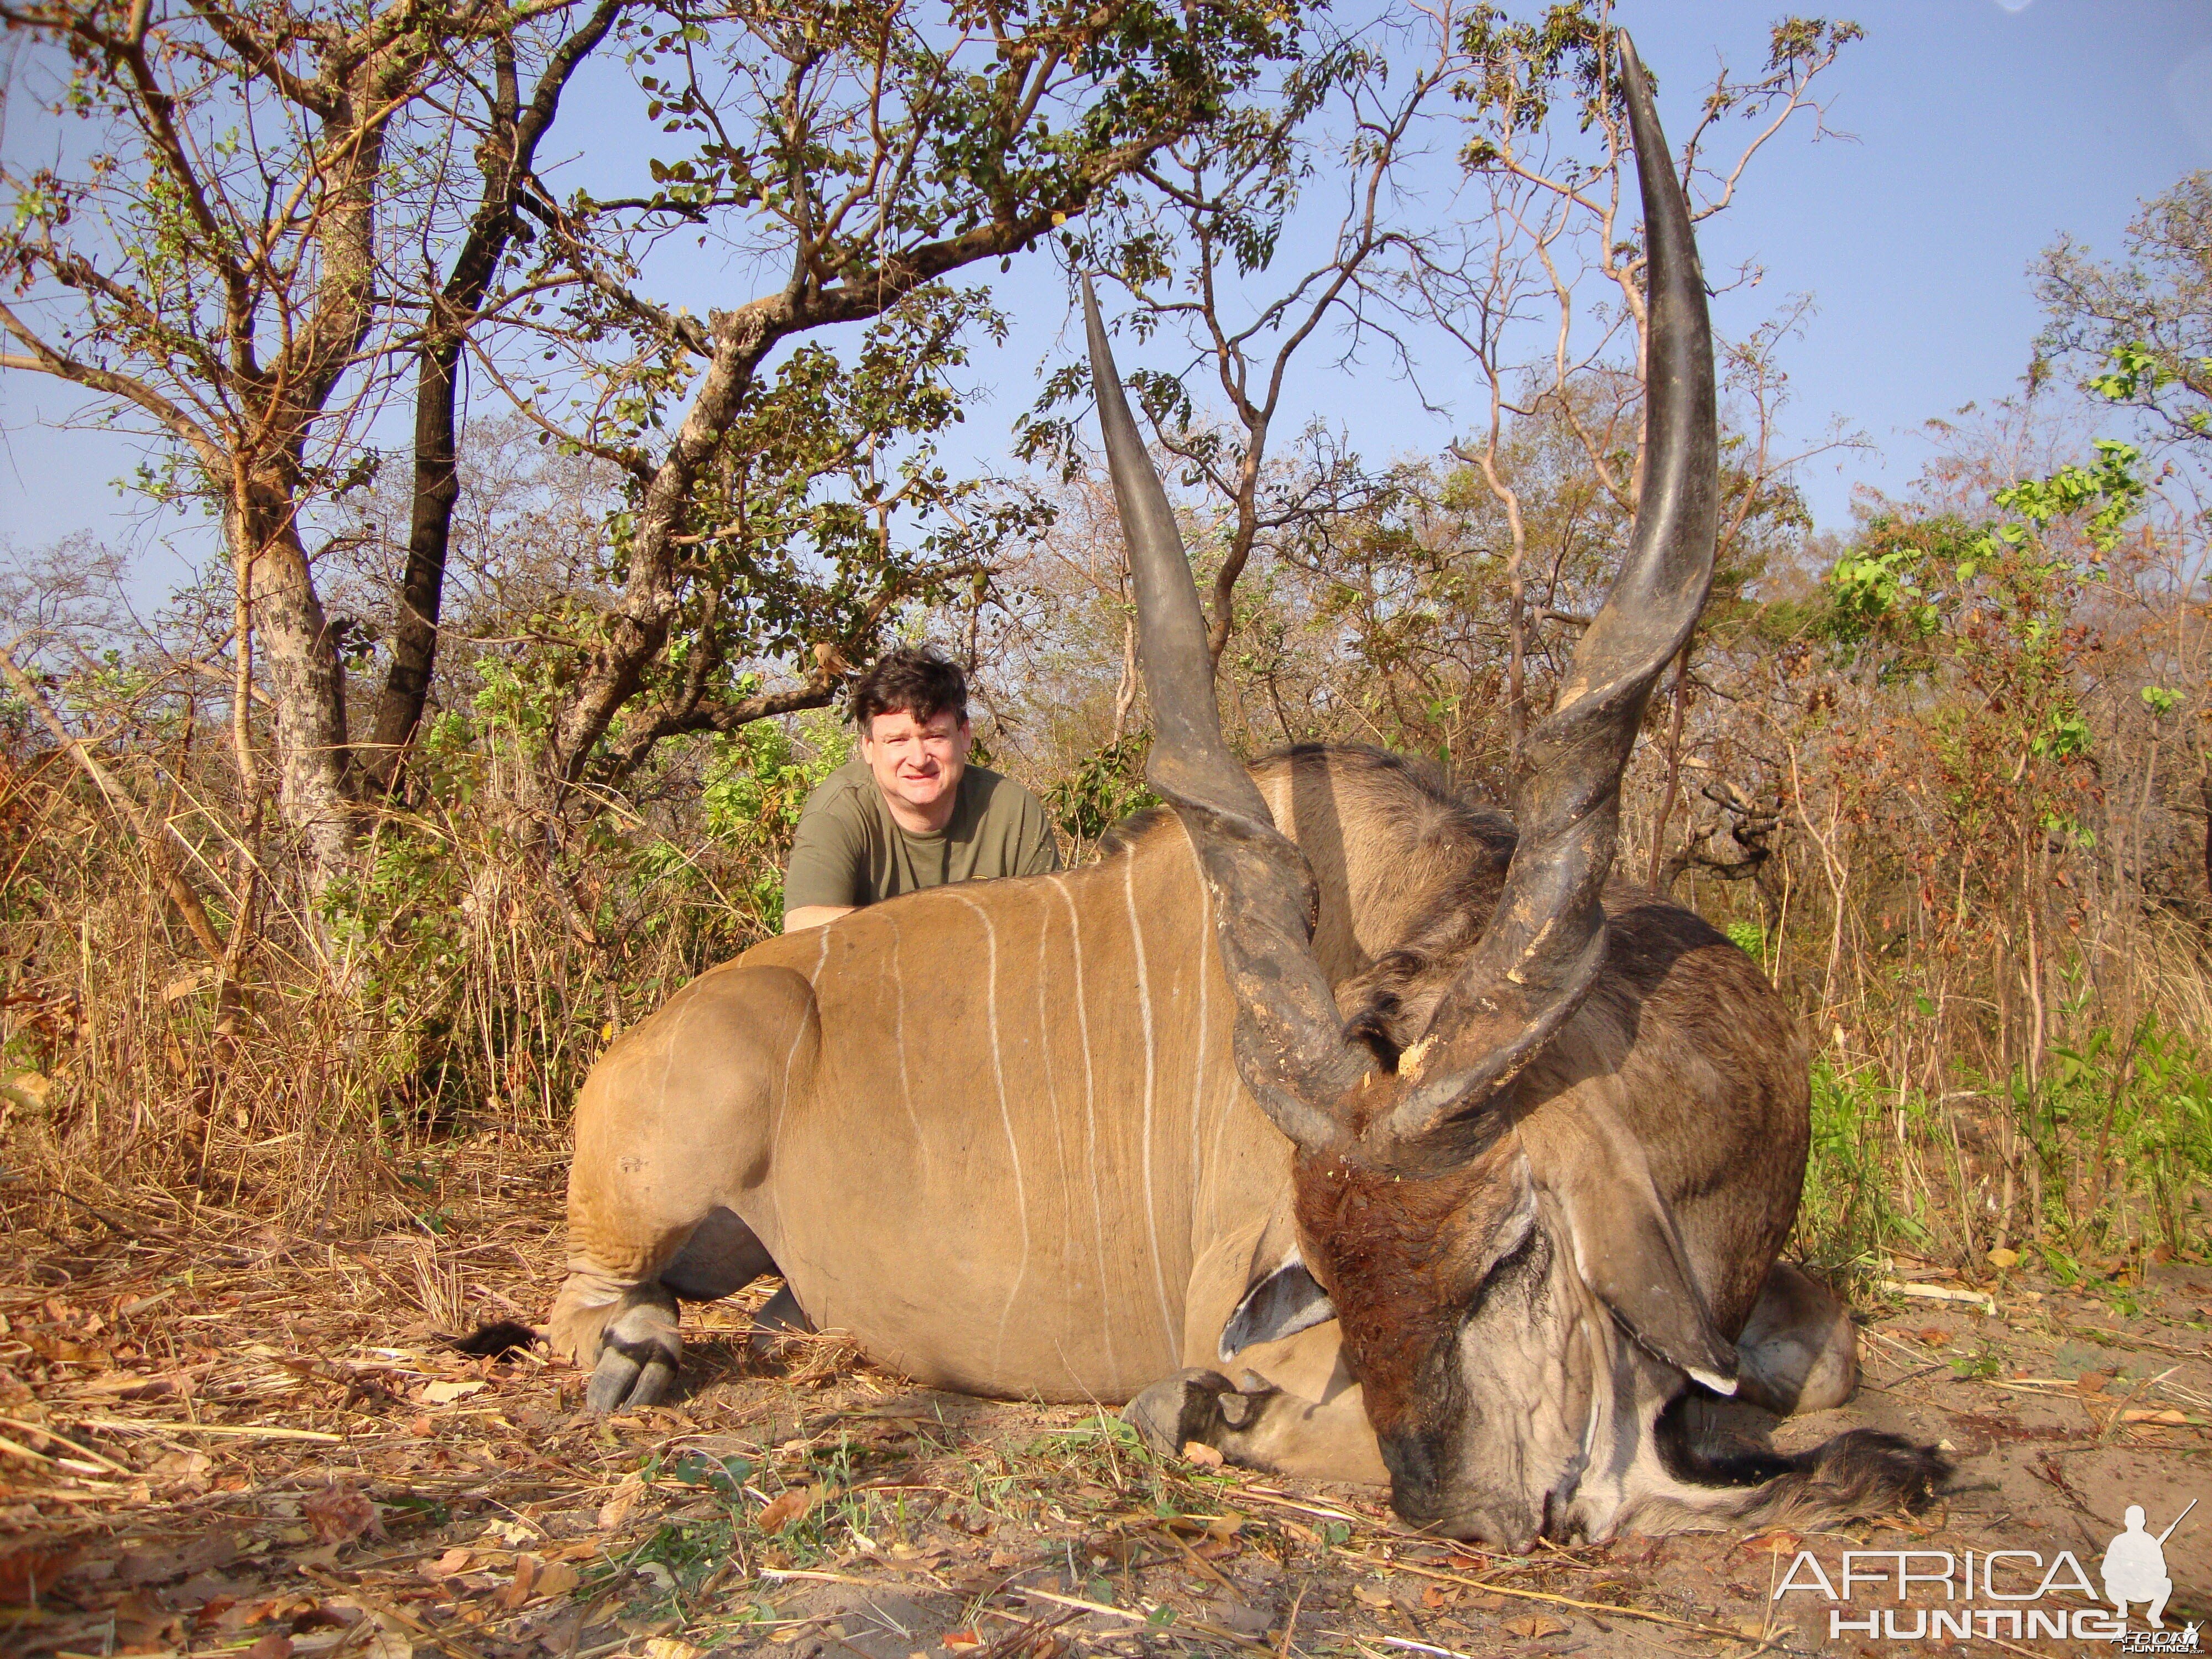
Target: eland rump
{"type": "Point", "coordinates": [1318, 1072]}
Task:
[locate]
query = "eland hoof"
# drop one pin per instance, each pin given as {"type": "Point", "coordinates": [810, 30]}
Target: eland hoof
{"type": "Point", "coordinates": [778, 1317]}
{"type": "Point", "coordinates": [1194, 1405]}
{"type": "Point", "coordinates": [639, 1352]}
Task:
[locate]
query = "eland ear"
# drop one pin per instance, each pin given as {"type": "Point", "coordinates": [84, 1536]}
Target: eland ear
{"type": "Point", "coordinates": [1630, 1253]}
{"type": "Point", "coordinates": [1287, 1301]}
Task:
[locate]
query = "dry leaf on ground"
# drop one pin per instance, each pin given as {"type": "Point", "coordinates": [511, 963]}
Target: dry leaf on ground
{"type": "Point", "coordinates": [520, 1587]}
{"type": "Point", "coordinates": [781, 1512]}
{"type": "Point", "coordinates": [27, 1571]}
{"type": "Point", "coordinates": [1535, 1625]}
{"type": "Point", "coordinates": [340, 1514]}
{"type": "Point", "coordinates": [452, 1561]}
{"type": "Point", "coordinates": [616, 1509]}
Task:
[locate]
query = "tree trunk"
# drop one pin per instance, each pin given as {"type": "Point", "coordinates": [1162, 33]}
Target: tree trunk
{"type": "Point", "coordinates": [636, 625]}
{"type": "Point", "coordinates": [505, 158]}
{"type": "Point", "coordinates": [421, 589]}
{"type": "Point", "coordinates": [307, 682]}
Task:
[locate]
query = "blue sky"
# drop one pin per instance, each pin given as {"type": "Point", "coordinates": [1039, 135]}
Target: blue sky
{"type": "Point", "coordinates": [1980, 130]}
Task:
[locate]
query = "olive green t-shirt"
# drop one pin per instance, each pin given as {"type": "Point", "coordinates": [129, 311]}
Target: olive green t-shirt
{"type": "Point", "coordinates": [850, 849]}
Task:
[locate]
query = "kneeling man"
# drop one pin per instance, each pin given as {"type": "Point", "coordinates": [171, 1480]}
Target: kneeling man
{"type": "Point", "coordinates": [908, 811]}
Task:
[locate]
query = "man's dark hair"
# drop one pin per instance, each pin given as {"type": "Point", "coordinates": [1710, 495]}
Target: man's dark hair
{"type": "Point", "coordinates": [916, 680]}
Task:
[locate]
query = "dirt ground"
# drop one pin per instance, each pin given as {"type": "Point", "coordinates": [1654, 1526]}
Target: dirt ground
{"type": "Point", "coordinates": [220, 1436]}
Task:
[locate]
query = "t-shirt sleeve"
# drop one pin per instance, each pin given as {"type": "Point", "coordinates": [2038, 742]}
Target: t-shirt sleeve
{"type": "Point", "coordinates": [830, 853]}
{"type": "Point", "coordinates": [1040, 848]}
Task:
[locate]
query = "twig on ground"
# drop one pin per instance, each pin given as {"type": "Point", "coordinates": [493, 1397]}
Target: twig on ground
{"type": "Point", "coordinates": [229, 1430]}
{"type": "Point", "coordinates": [1492, 1588]}
{"type": "Point", "coordinates": [107, 1463]}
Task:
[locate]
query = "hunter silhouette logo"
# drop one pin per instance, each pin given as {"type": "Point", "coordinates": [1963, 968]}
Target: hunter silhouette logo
{"type": "Point", "coordinates": [2001, 1595]}
{"type": "Point", "coordinates": [2134, 1567]}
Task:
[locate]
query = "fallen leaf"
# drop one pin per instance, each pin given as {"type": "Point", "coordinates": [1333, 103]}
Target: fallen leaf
{"type": "Point", "coordinates": [961, 1641]}
{"type": "Point", "coordinates": [1754, 1628]}
{"type": "Point", "coordinates": [671, 1647]}
{"type": "Point", "coordinates": [445, 1393]}
{"type": "Point", "coordinates": [1773, 1543]}
{"type": "Point", "coordinates": [2001, 1259]}
{"type": "Point", "coordinates": [1198, 1452]}
{"type": "Point", "coordinates": [555, 1578]}
{"type": "Point", "coordinates": [1436, 1598]}
{"type": "Point", "coordinates": [1372, 1595]}
{"type": "Point", "coordinates": [616, 1509]}
{"type": "Point", "coordinates": [27, 1571]}
{"type": "Point", "coordinates": [275, 1645]}
{"type": "Point", "coordinates": [523, 1585]}
{"type": "Point", "coordinates": [452, 1561]}
{"type": "Point", "coordinates": [1485, 1602]}
{"type": "Point", "coordinates": [2144, 1415]}
{"type": "Point", "coordinates": [389, 1644]}
{"type": "Point", "coordinates": [1535, 1625]}
{"type": "Point", "coordinates": [340, 1514]}
{"type": "Point", "coordinates": [27, 1089]}
{"type": "Point", "coordinates": [2092, 1382]}
{"type": "Point", "coordinates": [182, 1465]}
{"type": "Point", "coordinates": [781, 1512]}
{"type": "Point", "coordinates": [158, 1566]}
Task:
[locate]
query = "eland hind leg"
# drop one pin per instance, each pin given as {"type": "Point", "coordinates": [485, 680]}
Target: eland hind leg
{"type": "Point", "coordinates": [1799, 1352]}
{"type": "Point", "coordinates": [675, 1134]}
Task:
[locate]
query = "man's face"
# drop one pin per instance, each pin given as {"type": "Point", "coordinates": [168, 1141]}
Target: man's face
{"type": "Point", "coordinates": [917, 763]}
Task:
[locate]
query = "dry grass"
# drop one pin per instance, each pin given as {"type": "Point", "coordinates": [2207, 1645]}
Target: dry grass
{"type": "Point", "coordinates": [222, 1431]}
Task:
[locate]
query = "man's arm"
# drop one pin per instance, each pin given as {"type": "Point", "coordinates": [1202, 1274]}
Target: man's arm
{"type": "Point", "coordinates": [829, 862]}
{"type": "Point", "coordinates": [1041, 857]}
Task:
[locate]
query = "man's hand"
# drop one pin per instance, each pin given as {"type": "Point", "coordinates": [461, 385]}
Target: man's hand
{"type": "Point", "coordinates": [814, 915]}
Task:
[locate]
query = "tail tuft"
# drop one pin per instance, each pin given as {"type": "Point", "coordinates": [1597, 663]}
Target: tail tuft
{"type": "Point", "coordinates": [495, 1341]}
{"type": "Point", "coordinates": [1861, 1475]}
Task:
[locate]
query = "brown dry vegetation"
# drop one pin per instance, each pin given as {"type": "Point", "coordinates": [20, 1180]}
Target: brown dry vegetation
{"type": "Point", "coordinates": [223, 1434]}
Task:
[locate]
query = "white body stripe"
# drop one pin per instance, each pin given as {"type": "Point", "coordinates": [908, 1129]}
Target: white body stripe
{"type": "Point", "coordinates": [1006, 1121]}
{"type": "Point", "coordinates": [1089, 1117]}
{"type": "Point", "coordinates": [1144, 1005]}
